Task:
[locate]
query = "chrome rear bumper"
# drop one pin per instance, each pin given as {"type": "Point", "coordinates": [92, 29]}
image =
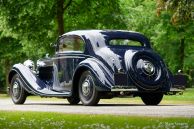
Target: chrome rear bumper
{"type": "Point", "coordinates": [172, 91]}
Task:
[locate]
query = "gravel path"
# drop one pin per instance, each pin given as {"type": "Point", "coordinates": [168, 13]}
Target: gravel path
{"type": "Point", "coordinates": [116, 109]}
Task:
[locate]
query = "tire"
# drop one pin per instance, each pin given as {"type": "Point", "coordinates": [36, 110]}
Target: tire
{"type": "Point", "coordinates": [152, 98]}
{"type": "Point", "coordinates": [146, 70]}
{"type": "Point", "coordinates": [88, 93]}
{"type": "Point", "coordinates": [73, 100]}
{"type": "Point", "coordinates": [17, 92]}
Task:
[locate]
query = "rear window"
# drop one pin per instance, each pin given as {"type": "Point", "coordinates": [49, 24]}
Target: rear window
{"type": "Point", "coordinates": [124, 42]}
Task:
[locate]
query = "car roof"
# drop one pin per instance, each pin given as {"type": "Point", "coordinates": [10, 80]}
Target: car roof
{"type": "Point", "coordinates": [94, 32]}
{"type": "Point", "coordinates": [99, 35]}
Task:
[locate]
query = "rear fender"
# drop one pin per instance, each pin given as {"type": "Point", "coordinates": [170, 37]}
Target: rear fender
{"type": "Point", "coordinates": [103, 76]}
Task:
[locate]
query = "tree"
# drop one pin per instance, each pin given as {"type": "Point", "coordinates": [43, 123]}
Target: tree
{"type": "Point", "coordinates": [180, 17]}
{"type": "Point", "coordinates": [154, 20]}
{"type": "Point", "coordinates": [10, 46]}
{"type": "Point", "coordinates": [33, 25]}
{"type": "Point", "coordinates": [37, 23]}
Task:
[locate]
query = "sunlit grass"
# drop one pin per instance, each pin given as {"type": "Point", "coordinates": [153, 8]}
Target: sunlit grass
{"type": "Point", "coordinates": [39, 120]}
{"type": "Point", "coordinates": [3, 96]}
{"type": "Point", "coordinates": [186, 98]}
{"type": "Point", "coordinates": [188, 94]}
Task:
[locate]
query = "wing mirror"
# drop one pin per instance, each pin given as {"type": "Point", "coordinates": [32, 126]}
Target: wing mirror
{"type": "Point", "coordinates": [55, 45]}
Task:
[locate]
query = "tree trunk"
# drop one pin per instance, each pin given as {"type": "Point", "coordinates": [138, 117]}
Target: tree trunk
{"type": "Point", "coordinates": [182, 53]}
{"type": "Point", "coordinates": [60, 20]}
{"type": "Point", "coordinates": [61, 7]}
{"type": "Point", "coordinates": [7, 66]}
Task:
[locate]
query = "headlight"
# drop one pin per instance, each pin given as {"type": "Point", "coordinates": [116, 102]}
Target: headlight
{"type": "Point", "coordinates": [29, 64]}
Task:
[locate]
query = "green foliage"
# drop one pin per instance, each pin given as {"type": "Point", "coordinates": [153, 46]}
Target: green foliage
{"type": "Point", "coordinates": [140, 15]}
{"type": "Point", "coordinates": [9, 47]}
{"type": "Point", "coordinates": [177, 26]}
{"type": "Point", "coordinates": [180, 10]}
{"type": "Point", "coordinates": [147, 17]}
{"type": "Point", "coordinates": [33, 24]}
{"type": "Point", "coordinates": [100, 14]}
{"type": "Point", "coordinates": [166, 41]}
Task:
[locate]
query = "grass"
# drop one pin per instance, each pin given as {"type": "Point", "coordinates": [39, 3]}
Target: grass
{"type": "Point", "coordinates": [2, 96]}
{"type": "Point", "coordinates": [186, 98]}
{"type": "Point", "coordinates": [42, 120]}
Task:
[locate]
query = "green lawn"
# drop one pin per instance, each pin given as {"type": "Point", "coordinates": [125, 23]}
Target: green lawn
{"type": "Point", "coordinates": [2, 96]}
{"type": "Point", "coordinates": [40, 120]}
{"type": "Point", "coordinates": [186, 98]}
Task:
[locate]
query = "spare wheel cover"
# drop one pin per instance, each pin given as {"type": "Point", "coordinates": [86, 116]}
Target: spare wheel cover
{"type": "Point", "coordinates": [147, 70]}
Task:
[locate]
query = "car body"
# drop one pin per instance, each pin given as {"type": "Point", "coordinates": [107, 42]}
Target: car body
{"type": "Point", "coordinates": [90, 65]}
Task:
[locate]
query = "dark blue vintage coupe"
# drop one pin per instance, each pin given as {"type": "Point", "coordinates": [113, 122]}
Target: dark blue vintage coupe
{"type": "Point", "coordinates": [90, 65]}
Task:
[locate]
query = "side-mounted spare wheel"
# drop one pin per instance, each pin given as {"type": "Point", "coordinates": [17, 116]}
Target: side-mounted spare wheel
{"type": "Point", "coordinates": [17, 92]}
{"type": "Point", "coordinates": [148, 72]}
{"type": "Point", "coordinates": [88, 93]}
{"type": "Point", "coordinates": [146, 69]}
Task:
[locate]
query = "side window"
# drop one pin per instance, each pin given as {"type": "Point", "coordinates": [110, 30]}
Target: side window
{"type": "Point", "coordinates": [71, 43]}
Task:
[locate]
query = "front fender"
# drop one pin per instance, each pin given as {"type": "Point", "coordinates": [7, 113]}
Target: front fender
{"type": "Point", "coordinates": [32, 83]}
{"type": "Point", "coordinates": [104, 77]}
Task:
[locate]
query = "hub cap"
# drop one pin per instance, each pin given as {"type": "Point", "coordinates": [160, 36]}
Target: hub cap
{"type": "Point", "coordinates": [16, 89]}
{"type": "Point", "coordinates": [148, 68]}
{"type": "Point", "coordinates": [86, 87]}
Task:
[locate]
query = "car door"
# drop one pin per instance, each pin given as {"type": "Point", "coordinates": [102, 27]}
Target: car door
{"type": "Point", "coordinates": [69, 53]}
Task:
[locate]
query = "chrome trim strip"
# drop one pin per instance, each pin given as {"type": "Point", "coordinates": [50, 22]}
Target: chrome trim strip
{"type": "Point", "coordinates": [176, 90]}
{"type": "Point", "coordinates": [117, 89]}
{"type": "Point", "coordinates": [66, 57]}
